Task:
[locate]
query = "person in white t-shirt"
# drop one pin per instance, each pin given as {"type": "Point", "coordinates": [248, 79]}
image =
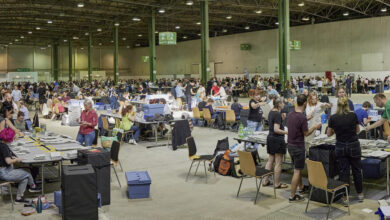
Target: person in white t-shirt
{"type": "Point", "coordinates": [333, 85]}
{"type": "Point", "coordinates": [319, 85]}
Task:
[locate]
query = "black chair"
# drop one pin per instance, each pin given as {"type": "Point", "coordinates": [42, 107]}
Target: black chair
{"type": "Point", "coordinates": [197, 158]}
{"type": "Point", "coordinates": [115, 158]}
{"type": "Point", "coordinates": [95, 141]}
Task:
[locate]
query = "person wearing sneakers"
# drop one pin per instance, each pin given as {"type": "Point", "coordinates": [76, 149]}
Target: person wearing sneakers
{"type": "Point", "coordinates": [19, 176]}
{"type": "Point", "coordinates": [128, 118]}
{"type": "Point", "coordinates": [297, 131]}
{"type": "Point", "coordinates": [345, 124]}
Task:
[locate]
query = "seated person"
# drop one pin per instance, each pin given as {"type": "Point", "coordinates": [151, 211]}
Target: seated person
{"type": "Point", "coordinates": [236, 107]}
{"type": "Point", "coordinates": [209, 105]}
{"type": "Point", "coordinates": [362, 114]}
{"type": "Point", "coordinates": [19, 176]}
{"type": "Point", "coordinates": [23, 108]}
{"type": "Point", "coordinates": [6, 120]}
{"type": "Point", "coordinates": [65, 98]}
{"type": "Point", "coordinates": [20, 123]}
{"type": "Point", "coordinates": [202, 104]}
{"type": "Point", "coordinates": [128, 118]}
{"type": "Point", "coordinates": [88, 120]}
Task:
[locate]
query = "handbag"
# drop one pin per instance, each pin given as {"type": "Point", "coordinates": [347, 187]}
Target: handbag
{"type": "Point", "coordinates": [7, 135]}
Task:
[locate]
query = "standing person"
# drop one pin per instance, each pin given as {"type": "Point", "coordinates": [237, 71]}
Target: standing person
{"type": "Point", "coordinates": [319, 85]}
{"type": "Point", "coordinates": [16, 94]}
{"type": "Point", "coordinates": [255, 112]}
{"type": "Point", "coordinates": [345, 125]}
{"type": "Point", "coordinates": [276, 146]}
{"type": "Point", "coordinates": [297, 130]}
{"type": "Point", "coordinates": [333, 85]}
{"type": "Point", "coordinates": [179, 93]}
{"type": "Point", "coordinates": [314, 109]}
{"type": "Point", "coordinates": [201, 92]}
{"type": "Point", "coordinates": [189, 92]}
{"type": "Point", "coordinates": [348, 83]}
{"type": "Point", "coordinates": [215, 89]}
{"type": "Point", "coordinates": [88, 120]}
{"type": "Point", "coordinates": [42, 95]}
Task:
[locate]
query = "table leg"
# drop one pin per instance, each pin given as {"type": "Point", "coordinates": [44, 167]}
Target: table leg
{"type": "Point", "coordinates": [43, 179]}
{"type": "Point", "coordinates": [155, 131]}
{"type": "Point", "coordinates": [387, 174]}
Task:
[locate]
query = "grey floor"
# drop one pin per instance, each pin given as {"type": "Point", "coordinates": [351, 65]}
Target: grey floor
{"type": "Point", "coordinates": [173, 198]}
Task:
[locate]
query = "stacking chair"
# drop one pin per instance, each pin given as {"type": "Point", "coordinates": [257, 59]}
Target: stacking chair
{"type": "Point", "coordinates": [230, 118]}
{"type": "Point", "coordinates": [117, 123]}
{"type": "Point", "coordinates": [319, 180]}
{"type": "Point", "coordinates": [8, 184]}
{"type": "Point", "coordinates": [115, 147]}
{"type": "Point", "coordinates": [196, 114]}
{"type": "Point", "coordinates": [95, 141]}
{"type": "Point", "coordinates": [197, 158]}
{"type": "Point", "coordinates": [106, 125]}
{"type": "Point", "coordinates": [249, 169]}
{"type": "Point", "coordinates": [207, 116]}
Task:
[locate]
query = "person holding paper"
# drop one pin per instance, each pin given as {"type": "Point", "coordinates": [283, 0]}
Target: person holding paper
{"type": "Point", "coordinates": [88, 120]}
{"type": "Point", "coordinates": [381, 101]}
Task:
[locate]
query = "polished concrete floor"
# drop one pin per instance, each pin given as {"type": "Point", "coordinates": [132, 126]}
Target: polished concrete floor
{"type": "Point", "coordinates": [173, 198]}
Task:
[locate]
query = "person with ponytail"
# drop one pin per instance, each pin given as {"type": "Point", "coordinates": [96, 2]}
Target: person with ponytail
{"type": "Point", "coordinates": [345, 124]}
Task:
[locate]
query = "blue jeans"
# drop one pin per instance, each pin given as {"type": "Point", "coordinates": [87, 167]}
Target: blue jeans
{"type": "Point", "coordinates": [189, 100]}
{"type": "Point", "coordinates": [18, 176]}
{"type": "Point", "coordinates": [136, 134]}
{"type": "Point", "coordinates": [254, 126]}
{"type": "Point", "coordinates": [86, 138]}
{"type": "Point", "coordinates": [333, 91]}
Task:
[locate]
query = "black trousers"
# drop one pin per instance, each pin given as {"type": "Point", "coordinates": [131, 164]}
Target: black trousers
{"type": "Point", "coordinates": [349, 158]}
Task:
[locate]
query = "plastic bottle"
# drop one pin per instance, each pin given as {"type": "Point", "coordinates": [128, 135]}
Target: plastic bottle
{"type": "Point", "coordinates": [241, 131]}
{"type": "Point", "coordinates": [39, 205]}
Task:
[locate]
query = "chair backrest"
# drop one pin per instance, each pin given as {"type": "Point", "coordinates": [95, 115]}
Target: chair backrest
{"type": "Point", "coordinates": [119, 136]}
{"type": "Point", "coordinates": [386, 129]}
{"type": "Point", "coordinates": [317, 175]}
{"type": "Point", "coordinates": [105, 123]}
{"type": "Point", "coordinates": [206, 114]}
{"type": "Point", "coordinates": [230, 116]}
{"type": "Point", "coordinates": [247, 164]}
{"type": "Point", "coordinates": [191, 146]}
{"type": "Point", "coordinates": [115, 146]}
{"type": "Point", "coordinates": [196, 112]}
{"type": "Point", "coordinates": [95, 141]}
{"type": "Point", "coordinates": [117, 123]}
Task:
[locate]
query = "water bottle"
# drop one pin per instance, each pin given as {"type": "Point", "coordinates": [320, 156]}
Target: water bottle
{"type": "Point", "coordinates": [34, 134]}
{"type": "Point", "coordinates": [241, 131]}
{"type": "Point", "coordinates": [39, 205]}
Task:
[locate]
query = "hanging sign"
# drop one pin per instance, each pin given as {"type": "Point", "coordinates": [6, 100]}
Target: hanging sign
{"type": "Point", "coordinates": [295, 45]}
{"type": "Point", "coordinates": [167, 38]}
{"type": "Point", "coordinates": [23, 70]}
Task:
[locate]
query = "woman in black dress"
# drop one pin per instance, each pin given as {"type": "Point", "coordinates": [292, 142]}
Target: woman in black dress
{"type": "Point", "coordinates": [276, 146]}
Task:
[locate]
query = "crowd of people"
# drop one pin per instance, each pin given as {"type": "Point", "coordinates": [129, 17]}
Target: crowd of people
{"type": "Point", "coordinates": [303, 123]}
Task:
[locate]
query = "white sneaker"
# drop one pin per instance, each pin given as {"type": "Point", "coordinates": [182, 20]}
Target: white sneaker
{"type": "Point", "coordinates": [131, 141]}
{"type": "Point", "coordinates": [134, 142]}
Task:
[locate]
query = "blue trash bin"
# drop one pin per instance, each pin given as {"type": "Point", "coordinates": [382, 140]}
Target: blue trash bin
{"type": "Point", "coordinates": [324, 118]}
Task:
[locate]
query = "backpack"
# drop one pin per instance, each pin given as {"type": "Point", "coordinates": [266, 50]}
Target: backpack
{"type": "Point", "coordinates": [222, 145]}
{"type": "Point", "coordinates": [225, 165]}
{"type": "Point", "coordinates": [35, 120]}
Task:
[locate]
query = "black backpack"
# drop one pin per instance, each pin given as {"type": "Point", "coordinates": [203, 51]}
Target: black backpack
{"type": "Point", "coordinates": [222, 145]}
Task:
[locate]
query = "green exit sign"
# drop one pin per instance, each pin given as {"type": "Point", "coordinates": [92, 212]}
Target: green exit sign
{"type": "Point", "coordinates": [167, 38]}
{"type": "Point", "coordinates": [295, 45]}
{"type": "Point", "coordinates": [145, 59]}
{"type": "Point", "coordinates": [23, 70]}
{"type": "Point", "coordinates": [245, 47]}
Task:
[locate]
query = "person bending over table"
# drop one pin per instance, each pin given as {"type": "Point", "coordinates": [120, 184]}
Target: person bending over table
{"type": "Point", "coordinates": [345, 125]}
{"type": "Point", "coordinates": [88, 120]}
{"type": "Point", "coordinates": [128, 118]}
{"type": "Point", "coordinates": [276, 146]}
{"type": "Point", "coordinates": [362, 114]}
{"type": "Point", "coordinates": [381, 101]}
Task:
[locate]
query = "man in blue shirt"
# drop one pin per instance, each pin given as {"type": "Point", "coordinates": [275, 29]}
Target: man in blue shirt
{"type": "Point", "coordinates": [271, 91]}
{"type": "Point", "coordinates": [362, 113]}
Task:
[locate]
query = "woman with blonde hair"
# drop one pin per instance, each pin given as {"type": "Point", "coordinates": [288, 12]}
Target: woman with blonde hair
{"type": "Point", "coordinates": [314, 109]}
{"type": "Point", "coordinates": [345, 125]}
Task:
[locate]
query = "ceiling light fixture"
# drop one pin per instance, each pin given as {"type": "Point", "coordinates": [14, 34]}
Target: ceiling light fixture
{"type": "Point", "coordinates": [161, 11]}
{"type": "Point", "coordinates": [99, 29]}
{"type": "Point", "coordinates": [75, 38]}
{"type": "Point", "coordinates": [305, 19]}
{"type": "Point", "coordinates": [198, 34]}
{"type": "Point", "coordinates": [127, 46]}
{"type": "Point", "coordinates": [30, 32]}
{"type": "Point", "coordinates": [16, 40]}
{"type": "Point", "coordinates": [224, 30]}
{"type": "Point", "coordinates": [346, 13]}
{"type": "Point", "coordinates": [229, 17]}
{"type": "Point", "coordinates": [301, 4]}
{"type": "Point", "coordinates": [124, 38]}
{"type": "Point", "coordinates": [80, 5]}
{"type": "Point", "coordinates": [258, 11]}
{"type": "Point", "coordinates": [177, 27]}
{"type": "Point", "coordinates": [116, 24]}
{"type": "Point", "coordinates": [10, 43]}
{"type": "Point", "coordinates": [38, 28]}
{"type": "Point", "coordinates": [137, 45]}
{"type": "Point", "coordinates": [86, 33]}
{"type": "Point", "coordinates": [384, 10]}
{"type": "Point", "coordinates": [139, 35]}
{"type": "Point", "coordinates": [189, 2]}
{"type": "Point", "coordinates": [112, 41]}
{"type": "Point", "coordinates": [156, 32]}
{"type": "Point", "coordinates": [184, 37]}
{"type": "Point", "coordinates": [65, 40]}
{"type": "Point", "coordinates": [198, 23]}
{"type": "Point", "coordinates": [21, 36]}
{"type": "Point", "coordinates": [82, 48]}
{"type": "Point", "coordinates": [50, 22]}
{"type": "Point", "coordinates": [136, 19]}
{"type": "Point", "coordinates": [43, 48]}
{"type": "Point", "coordinates": [247, 27]}
{"type": "Point", "coordinates": [48, 45]}
{"type": "Point", "coordinates": [276, 23]}
{"type": "Point", "coordinates": [100, 44]}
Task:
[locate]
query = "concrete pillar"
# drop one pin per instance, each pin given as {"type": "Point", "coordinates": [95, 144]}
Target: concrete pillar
{"type": "Point", "coordinates": [284, 42]}
{"type": "Point", "coordinates": [205, 43]}
{"type": "Point", "coordinates": [70, 60]}
{"type": "Point", "coordinates": [89, 57]}
{"type": "Point", "coordinates": [152, 46]}
{"type": "Point", "coordinates": [116, 72]}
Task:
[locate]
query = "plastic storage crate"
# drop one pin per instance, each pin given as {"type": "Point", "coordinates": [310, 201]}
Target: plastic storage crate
{"type": "Point", "coordinates": [151, 109]}
{"type": "Point", "coordinates": [138, 184]}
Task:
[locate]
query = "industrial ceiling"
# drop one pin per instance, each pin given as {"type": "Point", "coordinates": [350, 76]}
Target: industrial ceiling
{"type": "Point", "coordinates": [43, 22]}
